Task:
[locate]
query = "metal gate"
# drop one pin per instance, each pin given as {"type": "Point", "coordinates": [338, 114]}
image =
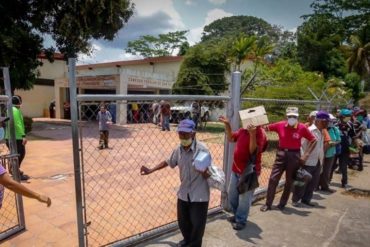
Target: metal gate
{"type": "Point", "coordinates": [11, 213]}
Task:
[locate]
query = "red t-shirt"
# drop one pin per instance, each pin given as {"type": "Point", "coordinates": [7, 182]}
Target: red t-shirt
{"type": "Point", "coordinates": [241, 152]}
{"type": "Point", "coordinates": [290, 137]}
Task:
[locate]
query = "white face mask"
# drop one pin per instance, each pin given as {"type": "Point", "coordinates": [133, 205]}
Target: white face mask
{"type": "Point", "coordinates": [186, 142]}
{"type": "Point", "coordinates": [292, 121]}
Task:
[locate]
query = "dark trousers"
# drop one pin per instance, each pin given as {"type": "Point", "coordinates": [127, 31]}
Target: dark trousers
{"type": "Point", "coordinates": [104, 135]}
{"type": "Point", "coordinates": [192, 218]}
{"type": "Point", "coordinates": [21, 149]}
{"type": "Point", "coordinates": [305, 192]}
{"type": "Point", "coordinates": [343, 165]}
{"type": "Point", "coordinates": [326, 173]}
{"type": "Point", "coordinates": [334, 166]}
{"type": "Point", "coordinates": [287, 161]}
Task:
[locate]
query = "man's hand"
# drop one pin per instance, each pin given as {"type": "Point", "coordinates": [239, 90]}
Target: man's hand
{"type": "Point", "coordinates": [205, 174]}
{"type": "Point", "coordinates": [145, 170]}
{"type": "Point", "coordinates": [45, 199]}
{"type": "Point", "coordinates": [302, 160]}
{"type": "Point", "coordinates": [24, 141]}
{"type": "Point", "coordinates": [251, 129]}
{"type": "Point", "coordinates": [223, 119]}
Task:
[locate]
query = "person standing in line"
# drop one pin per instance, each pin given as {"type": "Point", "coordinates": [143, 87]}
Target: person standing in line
{"type": "Point", "coordinates": [288, 156]}
{"type": "Point", "coordinates": [195, 113]}
{"type": "Point", "coordinates": [105, 119]}
{"type": "Point", "coordinates": [250, 143]}
{"type": "Point", "coordinates": [193, 195]}
{"type": "Point", "coordinates": [20, 133]}
{"type": "Point", "coordinates": [314, 160]}
{"type": "Point", "coordinates": [330, 155]}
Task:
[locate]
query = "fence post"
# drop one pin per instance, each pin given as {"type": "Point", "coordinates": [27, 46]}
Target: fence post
{"type": "Point", "coordinates": [76, 148]}
{"type": "Point", "coordinates": [12, 143]}
{"type": "Point", "coordinates": [232, 113]}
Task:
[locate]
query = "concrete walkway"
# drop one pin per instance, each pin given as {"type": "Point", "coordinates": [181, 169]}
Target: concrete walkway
{"type": "Point", "coordinates": [339, 219]}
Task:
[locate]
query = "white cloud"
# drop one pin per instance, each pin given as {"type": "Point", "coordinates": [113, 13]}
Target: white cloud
{"type": "Point", "coordinates": [212, 15]}
{"type": "Point", "coordinates": [218, 2]}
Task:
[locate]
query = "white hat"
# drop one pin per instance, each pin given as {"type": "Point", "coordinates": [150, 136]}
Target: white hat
{"type": "Point", "coordinates": [313, 114]}
{"type": "Point", "coordinates": [292, 111]}
{"type": "Point", "coordinates": [331, 117]}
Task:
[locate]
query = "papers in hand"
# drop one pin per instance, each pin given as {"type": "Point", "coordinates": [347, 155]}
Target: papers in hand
{"type": "Point", "coordinates": [202, 161]}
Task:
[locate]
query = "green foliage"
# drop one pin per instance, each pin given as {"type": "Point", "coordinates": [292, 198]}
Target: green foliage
{"type": "Point", "coordinates": [163, 45]}
{"type": "Point", "coordinates": [318, 38]}
{"type": "Point", "coordinates": [243, 48]}
{"type": "Point", "coordinates": [353, 82]}
{"type": "Point", "coordinates": [71, 23]}
{"type": "Point", "coordinates": [203, 70]}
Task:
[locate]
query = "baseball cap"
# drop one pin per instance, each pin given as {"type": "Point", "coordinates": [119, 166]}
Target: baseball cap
{"type": "Point", "coordinates": [322, 115]}
{"type": "Point", "coordinates": [345, 112]}
{"type": "Point", "coordinates": [292, 111]}
{"type": "Point", "coordinates": [186, 125]}
{"type": "Point", "coordinates": [313, 114]}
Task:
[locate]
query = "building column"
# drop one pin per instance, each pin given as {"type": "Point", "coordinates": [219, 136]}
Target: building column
{"type": "Point", "coordinates": [121, 111]}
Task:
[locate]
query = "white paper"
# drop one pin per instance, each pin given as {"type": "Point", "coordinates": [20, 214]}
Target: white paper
{"type": "Point", "coordinates": [202, 161]}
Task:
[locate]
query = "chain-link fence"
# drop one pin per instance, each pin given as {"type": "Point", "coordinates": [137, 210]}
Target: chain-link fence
{"type": "Point", "coordinates": [276, 110]}
{"type": "Point", "coordinates": [11, 212]}
{"type": "Point", "coordinates": [120, 204]}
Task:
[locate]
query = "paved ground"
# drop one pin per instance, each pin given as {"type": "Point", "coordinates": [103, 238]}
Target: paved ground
{"type": "Point", "coordinates": [339, 220]}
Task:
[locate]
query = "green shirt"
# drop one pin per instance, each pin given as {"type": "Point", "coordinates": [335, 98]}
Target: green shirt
{"type": "Point", "coordinates": [20, 132]}
{"type": "Point", "coordinates": [335, 137]}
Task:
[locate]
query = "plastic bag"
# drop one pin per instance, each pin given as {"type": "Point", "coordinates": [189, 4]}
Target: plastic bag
{"type": "Point", "coordinates": [217, 178]}
{"type": "Point", "coordinates": [302, 177]}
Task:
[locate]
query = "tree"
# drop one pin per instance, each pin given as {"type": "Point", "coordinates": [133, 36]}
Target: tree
{"type": "Point", "coordinates": [243, 49]}
{"type": "Point", "coordinates": [318, 38]}
{"type": "Point", "coordinates": [203, 70]}
{"type": "Point", "coordinates": [234, 26]}
{"type": "Point", "coordinates": [163, 45]}
{"type": "Point", "coordinates": [71, 23]}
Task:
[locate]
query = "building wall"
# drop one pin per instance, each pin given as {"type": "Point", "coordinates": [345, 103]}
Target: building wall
{"type": "Point", "coordinates": [35, 102]}
{"type": "Point", "coordinates": [57, 69]}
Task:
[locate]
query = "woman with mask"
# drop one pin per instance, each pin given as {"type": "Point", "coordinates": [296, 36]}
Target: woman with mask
{"type": "Point", "coordinates": [288, 156]}
{"type": "Point", "coordinates": [193, 194]}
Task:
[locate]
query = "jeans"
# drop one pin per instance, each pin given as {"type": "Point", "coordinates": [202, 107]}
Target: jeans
{"type": "Point", "coordinates": [165, 122]}
{"type": "Point", "coordinates": [239, 203]}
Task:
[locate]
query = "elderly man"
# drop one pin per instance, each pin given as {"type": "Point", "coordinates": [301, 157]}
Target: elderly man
{"type": "Point", "coordinates": [193, 195]}
{"type": "Point", "coordinates": [314, 160]}
{"type": "Point", "coordinates": [288, 156]}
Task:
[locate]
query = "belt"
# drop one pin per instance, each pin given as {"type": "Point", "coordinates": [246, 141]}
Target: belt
{"type": "Point", "coordinates": [289, 150]}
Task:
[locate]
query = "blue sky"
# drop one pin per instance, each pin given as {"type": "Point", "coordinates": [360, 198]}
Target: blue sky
{"type": "Point", "coordinates": [161, 16]}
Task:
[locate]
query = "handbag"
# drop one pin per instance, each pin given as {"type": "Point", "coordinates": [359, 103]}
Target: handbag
{"type": "Point", "coordinates": [248, 180]}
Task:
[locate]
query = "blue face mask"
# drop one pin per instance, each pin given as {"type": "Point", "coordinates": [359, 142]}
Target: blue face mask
{"type": "Point", "coordinates": [360, 118]}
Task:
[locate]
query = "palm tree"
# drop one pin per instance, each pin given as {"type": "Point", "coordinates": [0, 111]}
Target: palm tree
{"type": "Point", "coordinates": [358, 54]}
{"type": "Point", "coordinates": [243, 49]}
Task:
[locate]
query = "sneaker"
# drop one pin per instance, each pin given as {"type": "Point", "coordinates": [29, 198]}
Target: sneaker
{"type": "Point", "coordinates": [328, 190]}
{"type": "Point", "coordinates": [346, 186]}
{"type": "Point", "coordinates": [24, 177]}
{"type": "Point", "coordinates": [265, 208]}
{"type": "Point", "coordinates": [296, 204]}
{"type": "Point", "coordinates": [238, 226]}
{"type": "Point", "coordinates": [100, 147]}
{"type": "Point", "coordinates": [231, 219]}
{"type": "Point", "coordinates": [308, 203]}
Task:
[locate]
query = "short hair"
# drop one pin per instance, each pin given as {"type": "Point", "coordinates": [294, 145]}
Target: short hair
{"type": "Point", "coordinates": [16, 100]}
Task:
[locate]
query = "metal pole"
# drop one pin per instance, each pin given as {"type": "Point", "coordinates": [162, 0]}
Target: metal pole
{"type": "Point", "coordinates": [233, 116]}
{"type": "Point", "coordinates": [76, 149]}
{"type": "Point", "coordinates": [12, 143]}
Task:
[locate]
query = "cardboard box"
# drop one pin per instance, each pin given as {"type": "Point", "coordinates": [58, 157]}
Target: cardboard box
{"type": "Point", "coordinates": [256, 116]}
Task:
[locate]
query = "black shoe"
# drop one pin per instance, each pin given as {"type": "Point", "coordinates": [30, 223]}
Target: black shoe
{"type": "Point", "coordinates": [308, 203]}
{"type": "Point", "coordinates": [328, 190]}
{"type": "Point", "coordinates": [100, 147]}
{"type": "Point", "coordinates": [280, 206]}
{"type": "Point", "coordinates": [231, 219]}
{"type": "Point", "coordinates": [24, 177]}
{"type": "Point", "coordinates": [182, 243]}
{"type": "Point", "coordinates": [296, 204]}
{"type": "Point", "coordinates": [238, 226]}
{"type": "Point", "coordinates": [265, 208]}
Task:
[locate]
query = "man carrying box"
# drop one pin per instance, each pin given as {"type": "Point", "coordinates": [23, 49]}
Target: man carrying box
{"type": "Point", "coordinates": [288, 156]}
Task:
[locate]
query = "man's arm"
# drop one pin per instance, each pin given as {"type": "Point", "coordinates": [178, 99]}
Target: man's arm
{"type": "Point", "coordinates": [308, 151]}
{"type": "Point", "coordinates": [146, 171]}
{"type": "Point", "coordinates": [228, 130]}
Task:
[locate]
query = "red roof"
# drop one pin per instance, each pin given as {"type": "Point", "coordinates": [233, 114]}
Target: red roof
{"type": "Point", "coordinates": [56, 56]}
{"type": "Point", "coordinates": [167, 59]}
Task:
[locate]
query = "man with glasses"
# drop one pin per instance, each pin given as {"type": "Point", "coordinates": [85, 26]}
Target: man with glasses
{"type": "Point", "coordinates": [288, 155]}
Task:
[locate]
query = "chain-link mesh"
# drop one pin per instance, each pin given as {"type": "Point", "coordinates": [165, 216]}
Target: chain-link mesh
{"type": "Point", "coordinates": [8, 212]}
{"type": "Point", "coordinates": [276, 110]}
{"type": "Point", "coordinates": [119, 202]}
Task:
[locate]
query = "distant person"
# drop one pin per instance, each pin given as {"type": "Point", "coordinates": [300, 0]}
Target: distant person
{"type": "Point", "coordinates": [135, 112]}
{"type": "Point", "coordinates": [195, 113]}
{"type": "Point", "coordinates": [165, 115]}
{"type": "Point", "coordinates": [52, 109]}
{"type": "Point", "coordinates": [250, 143]}
{"type": "Point", "coordinates": [193, 195]}
{"type": "Point", "coordinates": [20, 133]}
{"type": "Point", "coordinates": [288, 156]}
{"type": "Point", "coordinates": [7, 182]}
{"type": "Point", "coordinates": [67, 110]}
{"type": "Point", "coordinates": [105, 119]}
{"type": "Point", "coordinates": [156, 112]}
